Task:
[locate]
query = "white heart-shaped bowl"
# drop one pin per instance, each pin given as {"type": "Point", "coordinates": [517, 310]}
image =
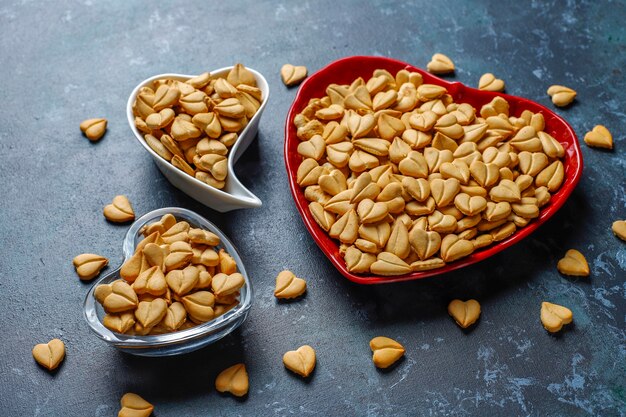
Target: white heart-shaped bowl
{"type": "Point", "coordinates": [234, 195]}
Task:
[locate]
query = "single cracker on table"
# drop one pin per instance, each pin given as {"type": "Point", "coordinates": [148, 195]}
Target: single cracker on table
{"type": "Point", "coordinates": [120, 210]}
{"type": "Point", "coordinates": [465, 313]}
{"type": "Point", "coordinates": [292, 74]}
{"type": "Point", "coordinates": [233, 379]}
{"type": "Point", "coordinates": [94, 129]}
{"type": "Point", "coordinates": [573, 264]}
{"type": "Point", "coordinates": [300, 361]}
{"type": "Point", "coordinates": [386, 351]}
{"type": "Point", "coordinates": [134, 406]}
{"type": "Point", "coordinates": [289, 286]}
{"type": "Point", "coordinates": [89, 265]}
{"type": "Point", "coordinates": [554, 316]}
{"type": "Point", "coordinates": [49, 355]}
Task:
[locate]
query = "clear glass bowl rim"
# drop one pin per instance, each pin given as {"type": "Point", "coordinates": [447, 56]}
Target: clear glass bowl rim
{"type": "Point", "coordinates": [175, 338]}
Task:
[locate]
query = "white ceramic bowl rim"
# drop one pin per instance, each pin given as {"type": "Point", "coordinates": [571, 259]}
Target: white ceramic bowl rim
{"type": "Point", "coordinates": [249, 200]}
{"type": "Point", "coordinates": [182, 336]}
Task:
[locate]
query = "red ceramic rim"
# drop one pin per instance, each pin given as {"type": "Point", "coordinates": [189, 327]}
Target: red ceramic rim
{"type": "Point", "coordinates": [346, 70]}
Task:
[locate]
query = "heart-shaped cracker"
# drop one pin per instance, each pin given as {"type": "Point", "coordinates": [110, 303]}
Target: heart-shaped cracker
{"type": "Point", "coordinates": [312, 148]}
{"type": "Point", "coordinates": [150, 313]}
{"type": "Point", "coordinates": [440, 64]}
{"type": "Point", "coordinates": [359, 126]}
{"type": "Point", "coordinates": [360, 261]}
{"type": "Point", "coordinates": [554, 316]}
{"type": "Point", "coordinates": [161, 226]}
{"type": "Point", "coordinates": [359, 99]}
{"type": "Point", "coordinates": [386, 351]}
{"type": "Point", "coordinates": [301, 361]}
{"type": "Point", "coordinates": [333, 183]}
{"type": "Point", "coordinates": [340, 204]}
{"type": "Point", "coordinates": [161, 119]}
{"type": "Point", "coordinates": [599, 137]}
{"type": "Point", "coordinates": [552, 176]}
{"type": "Point", "coordinates": [151, 281]}
{"type": "Point", "coordinates": [94, 129]}
{"type": "Point", "coordinates": [485, 175]}
{"type": "Point", "coordinates": [573, 264]}
{"type": "Point", "coordinates": [175, 316]}
{"type": "Point", "coordinates": [120, 210]}
{"type": "Point", "coordinates": [532, 163]}
{"type": "Point", "coordinates": [619, 229]}
{"type": "Point", "coordinates": [507, 191]}
{"type": "Point", "coordinates": [497, 211]}
{"type": "Point", "coordinates": [288, 285]}
{"type": "Point", "coordinates": [389, 264]}
{"type": "Point", "coordinates": [363, 188]}
{"type": "Point", "coordinates": [470, 205]}
{"type": "Point", "coordinates": [441, 223]}
{"type": "Point", "coordinates": [338, 154]}
{"type": "Point", "coordinates": [292, 75]}
{"type": "Point", "coordinates": [234, 380]}
{"type": "Point", "coordinates": [120, 323]}
{"type": "Point", "coordinates": [398, 242]}
{"type": "Point", "coordinates": [155, 255]}
{"type": "Point", "coordinates": [183, 281]}
{"type": "Point", "coordinates": [176, 233]}
{"type": "Point", "coordinates": [444, 191]}
{"type": "Point", "coordinates": [346, 227]}
{"type": "Point", "coordinates": [180, 254]}
{"type": "Point", "coordinates": [121, 298]}
{"type": "Point", "coordinates": [414, 165]}
{"type": "Point", "coordinates": [134, 406]}
{"type": "Point", "coordinates": [324, 218]}
{"type": "Point", "coordinates": [223, 284]}
{"type": "Point", "coordinates": [424, 243]}
{"type": "Point", "coordinates": [489, 82]}
{"type": "Point", "coordinates": [465, 313]}
{"type": "Point", "coordinates": [456, 169]}
{"type": "Point", "coordinates": [453, 248]}
{"type": "Point", "coordinates": [49, 355]}
{"type": "Point", "coordinates": [89, 265]}
{"type": "Point", "coordinates": [371, 212]}
{"type": "Point", "coordinates": [561, 95]}
{"type": "Point", "coordinates": [199, 306]}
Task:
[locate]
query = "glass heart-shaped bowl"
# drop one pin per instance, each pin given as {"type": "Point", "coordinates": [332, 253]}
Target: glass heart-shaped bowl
{"type": "Point", "coordinates": [346, 70]}
{"type": "Point", "coordinates": [234, 195]}
{"type": "Point", "coordinates": [182, 341]}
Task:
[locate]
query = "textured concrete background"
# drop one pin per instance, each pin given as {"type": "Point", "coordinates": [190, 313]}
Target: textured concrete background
{"type": "Point", "coordinates": [65, 61]}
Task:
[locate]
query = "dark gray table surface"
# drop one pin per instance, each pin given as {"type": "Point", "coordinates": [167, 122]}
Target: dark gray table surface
{"type": "Point", "coordinates": [66, 61]}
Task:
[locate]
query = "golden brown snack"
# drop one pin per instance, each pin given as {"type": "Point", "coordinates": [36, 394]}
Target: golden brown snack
{"type": "Point", "coordinates": [89, 265]}
{"type": "Point", "coordinates": [554, 316]}
{"type": "Point", "coordinates": [573, 264]}
{"type": "Point", "coordinates": [386, 351]}
{"type": "Point", "coordinates": [234, 380]}
{"type": "Point", "coordinates": [120, 210]}
{"type": "Point", "coordinates": [301, 361]}
{"type": "Point", "coordinates": [387, 156]}
{"type": "Point", "coordinates": [619, 229]}
{"type": "Point", "coordinates": [292, 75]}
{"type": "Point", "coordinates": [289, 286]}
{"type": "Point", "coordinates": [440, 64]}
{"type": "Point", "coordinates": [193, 124]}
{"type": "Point", "coordinates": [561, 95]}
{"type": "Point", "coordinates": [465, 313]}
{"type": "Point", "coordinates": [489, 82]}
{"type": "Point", "coordinates": [599, 137]}
{"type": "Point", "coordinates": [49, 355]}
{"type": "Point", "coordinates": [134, 406]}
{"type": "Point", "coordinates": [94, 129]}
